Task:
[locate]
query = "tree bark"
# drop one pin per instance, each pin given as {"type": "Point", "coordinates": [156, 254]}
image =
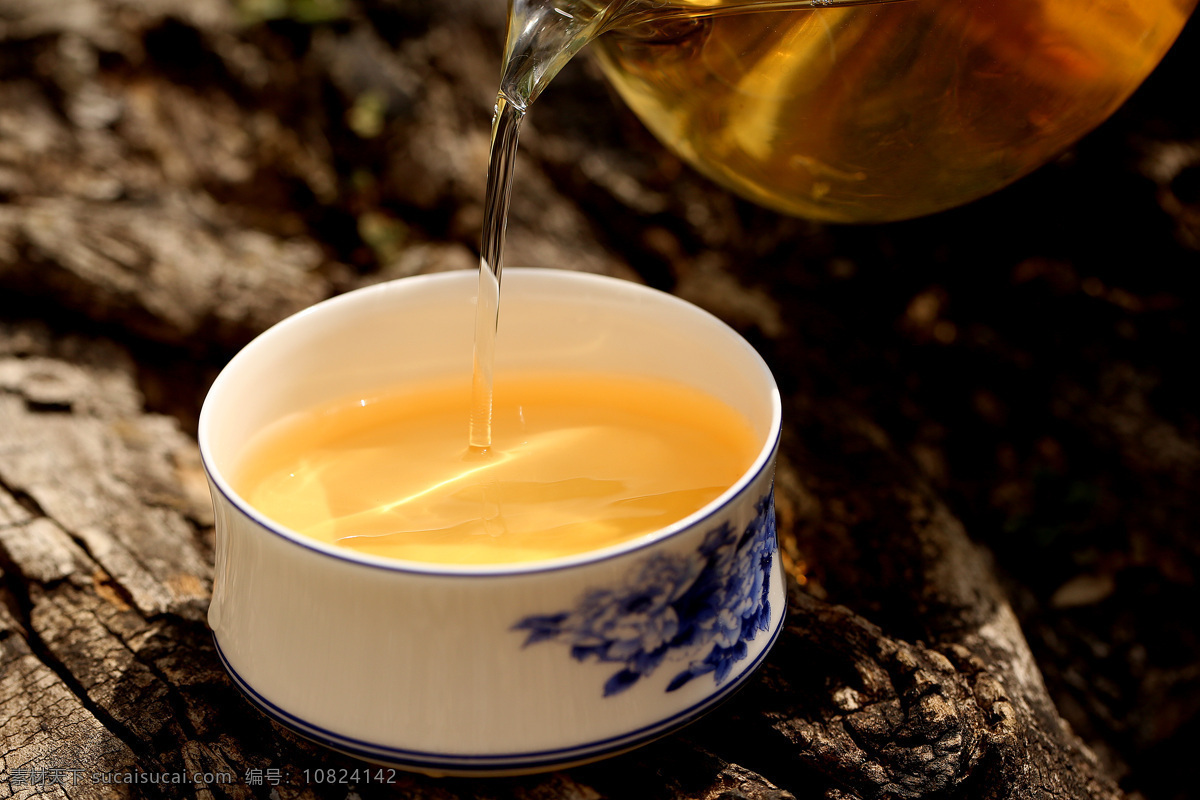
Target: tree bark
{"type": "Point", "coordinates": [176, 177]}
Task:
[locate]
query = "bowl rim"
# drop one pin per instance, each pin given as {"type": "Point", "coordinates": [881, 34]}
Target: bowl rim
{"type": "Point", "coordinates": [763, 461]}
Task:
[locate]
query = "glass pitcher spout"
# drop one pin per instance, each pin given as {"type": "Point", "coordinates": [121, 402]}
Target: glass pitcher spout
{"type": "Point", "coordinates": [543, 35]}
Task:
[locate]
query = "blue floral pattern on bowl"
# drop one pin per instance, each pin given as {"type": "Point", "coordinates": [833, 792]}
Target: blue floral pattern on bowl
{"type": "Point", "coordinates": [702, 608]}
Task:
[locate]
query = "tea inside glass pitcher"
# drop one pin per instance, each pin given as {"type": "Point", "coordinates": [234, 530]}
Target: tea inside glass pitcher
{"type": "Point", "coordinates": [872, 112]}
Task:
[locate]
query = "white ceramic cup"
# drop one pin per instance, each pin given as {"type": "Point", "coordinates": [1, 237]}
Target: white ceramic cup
{"type": "Point", "coordinates": [492, 669]}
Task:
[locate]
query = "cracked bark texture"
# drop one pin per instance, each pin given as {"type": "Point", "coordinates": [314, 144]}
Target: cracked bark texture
{"type": "Point", "coordinates": [176, 176]}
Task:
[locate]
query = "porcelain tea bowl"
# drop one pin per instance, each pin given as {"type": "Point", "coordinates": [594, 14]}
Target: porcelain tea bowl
{"type": "Point", "coordinates": [492, 669]}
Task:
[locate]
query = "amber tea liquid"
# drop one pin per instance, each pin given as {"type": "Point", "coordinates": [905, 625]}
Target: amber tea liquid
{"type": "Point", "coordinates": [578, 462]}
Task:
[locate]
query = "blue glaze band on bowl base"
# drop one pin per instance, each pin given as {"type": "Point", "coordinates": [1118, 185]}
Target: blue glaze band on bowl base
{"type": "Point", "coordinates": [449, 764]}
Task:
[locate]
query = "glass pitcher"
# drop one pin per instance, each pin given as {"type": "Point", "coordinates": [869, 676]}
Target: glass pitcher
{"type": "Point", "coordinates": [876, 112]}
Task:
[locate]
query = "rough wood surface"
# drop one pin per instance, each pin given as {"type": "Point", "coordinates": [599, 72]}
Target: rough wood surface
{"type": "Point", "coordinates": [176, 176]}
